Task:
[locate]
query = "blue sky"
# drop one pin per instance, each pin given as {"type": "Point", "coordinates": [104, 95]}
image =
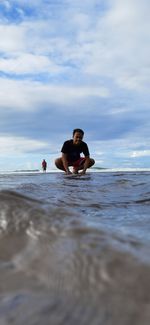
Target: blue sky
{"type": "Point", "coordinates": [72, 63]}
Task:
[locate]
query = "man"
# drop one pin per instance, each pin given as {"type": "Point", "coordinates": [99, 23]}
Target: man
{"type": "Point", "coordinates": [71, 151]}
{"type": "Point", "coordinates": [44, 165]}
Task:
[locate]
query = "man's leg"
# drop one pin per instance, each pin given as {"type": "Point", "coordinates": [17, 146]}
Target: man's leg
{"type": "Point", "coordinates": [79, 165]}
{"type": "Point", "coordinates": [59, 164]}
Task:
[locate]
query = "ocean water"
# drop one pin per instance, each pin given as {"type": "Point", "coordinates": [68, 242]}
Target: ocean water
{"type": "Point", "coordinates": [75, 250]}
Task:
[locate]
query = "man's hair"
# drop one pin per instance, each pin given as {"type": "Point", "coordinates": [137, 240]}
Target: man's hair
{"type": "Point", "coordinates": [78, 130]}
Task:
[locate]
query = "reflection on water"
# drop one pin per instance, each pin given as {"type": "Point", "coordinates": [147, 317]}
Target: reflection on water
{"type": "Point", "coordinates": [75, 251]}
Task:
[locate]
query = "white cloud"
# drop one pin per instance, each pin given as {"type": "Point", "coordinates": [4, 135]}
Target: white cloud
{"type": "Point", "coordinates": [140, 153]}
{"type": "Point", "coordinates": [13, 38]}
{"type": "Point", "coordinates": [113, 45]}
{"type": "Point", "coordinates": [10, 145]}
{"type": "Point", "coordinates": [28, 95]}
{"type": "Point", "coordinates": [29, 63]}
{"type": "Point", "coordinates": [119, 45]}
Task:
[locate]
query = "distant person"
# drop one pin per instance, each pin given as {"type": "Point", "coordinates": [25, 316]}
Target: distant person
{"type": "Point", "coordinates": [71, 151]}
{"type": "Point", "coordinates": [44, 165]}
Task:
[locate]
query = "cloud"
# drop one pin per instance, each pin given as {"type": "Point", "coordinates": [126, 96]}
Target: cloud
{"type": "Point", "coordinates": [140, 153]}
{"type": "Point", "coordinates": [117, 46]}
{"type": "Point", "coordinates": [19, 145]}
{"type": "Point", "coordinates": [13, 40]}
{"type": "Point", "coordinates": [112, 44]}
{"type": "Point", "coordinates": [29, 95]}
{"type": "Point", "coordinates": [29, 64]}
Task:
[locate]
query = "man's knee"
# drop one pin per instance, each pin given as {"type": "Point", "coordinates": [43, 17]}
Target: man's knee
{"type": "Point", "coordinates": [57, 162]}
{"type": "Point", "coordinates": [92, 162]}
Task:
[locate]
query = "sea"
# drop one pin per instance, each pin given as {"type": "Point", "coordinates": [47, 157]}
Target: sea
{"type": "Point", "coordinates": [75, 249]}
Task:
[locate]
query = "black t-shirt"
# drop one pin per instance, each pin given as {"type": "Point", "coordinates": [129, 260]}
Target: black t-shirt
{"type": "Point", "coordinates": [73, 151]}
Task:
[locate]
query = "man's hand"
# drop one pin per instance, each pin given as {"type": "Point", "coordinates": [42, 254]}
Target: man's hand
{"type": "Point", "coordinates": [68, 172]}
{"type": "Point", "coordinates": [82, 173]}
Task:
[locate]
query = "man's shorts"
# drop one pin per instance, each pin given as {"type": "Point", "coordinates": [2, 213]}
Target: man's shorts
{"type": "Point", "coordinates": [78, 162]}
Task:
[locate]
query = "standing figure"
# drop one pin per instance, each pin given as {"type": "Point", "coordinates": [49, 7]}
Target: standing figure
{"type": "Point", "coordinates": [71, 151]}
{"type": "Point", "coordinates": [44, 165]}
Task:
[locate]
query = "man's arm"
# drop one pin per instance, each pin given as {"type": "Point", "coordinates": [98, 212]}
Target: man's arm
{"type": "Point", "coordinates": [87, 158]}
{"type": "Point", "coordinates": [86, 165]}
{"type": "Point", "coordinates": [65, 163]}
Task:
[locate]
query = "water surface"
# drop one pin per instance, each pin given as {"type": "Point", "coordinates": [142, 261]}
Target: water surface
{"type": "Point", "coordinates": [75, 250]}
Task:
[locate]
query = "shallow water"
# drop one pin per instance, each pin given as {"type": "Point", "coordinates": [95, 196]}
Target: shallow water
{"type": "Point", "coordinates": [75, 249]}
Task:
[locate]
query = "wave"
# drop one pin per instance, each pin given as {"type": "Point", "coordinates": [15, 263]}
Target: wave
{"type": "Point", "coordinates": [91, 170]}
{"type": "Point", "coordinates": [56, 269]}
{"type": "Point", "coordinates": [26, 170]}
{"type": "Point", "coordinates": [121, 169]}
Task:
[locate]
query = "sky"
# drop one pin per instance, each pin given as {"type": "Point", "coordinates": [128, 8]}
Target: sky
{"type": "Point", "coordinates": [68, 64]}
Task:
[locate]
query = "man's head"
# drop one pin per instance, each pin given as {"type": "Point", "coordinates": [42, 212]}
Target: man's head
{"type": "Point", "coordinates": [77, 136]}
{"type": "Point", "coordinates": [79, 131]}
